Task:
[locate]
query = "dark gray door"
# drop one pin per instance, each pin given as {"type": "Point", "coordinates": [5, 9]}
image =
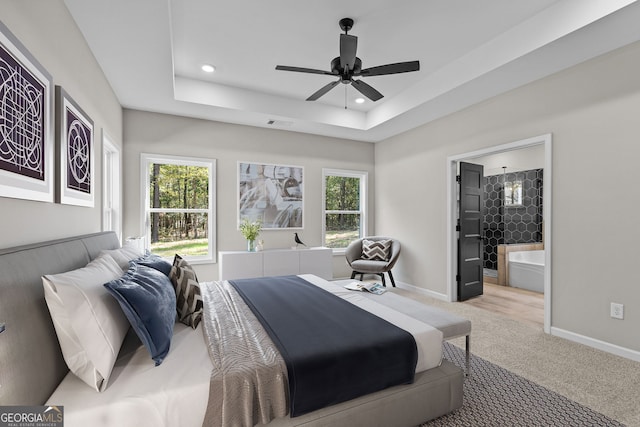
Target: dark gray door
{"type": "Point", "coordinates": [470, 226]}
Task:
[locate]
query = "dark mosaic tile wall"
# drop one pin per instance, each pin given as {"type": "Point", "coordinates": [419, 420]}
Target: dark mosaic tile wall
{"type": "Point", "coordinates": [511, 224]}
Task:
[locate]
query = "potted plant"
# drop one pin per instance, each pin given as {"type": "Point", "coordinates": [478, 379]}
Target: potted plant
{"type": "Point", "coordinates": [250, 231]}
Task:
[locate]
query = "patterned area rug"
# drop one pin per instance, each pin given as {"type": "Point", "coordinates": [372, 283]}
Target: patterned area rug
{"type": "Point", "coordinates": [494, 397]}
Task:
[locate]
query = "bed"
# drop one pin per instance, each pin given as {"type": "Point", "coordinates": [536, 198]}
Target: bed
{"type": "Point", "coordinates": [177, 391]}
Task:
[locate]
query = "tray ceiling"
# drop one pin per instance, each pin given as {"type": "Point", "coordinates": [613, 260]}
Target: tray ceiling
{"type": "Point", "coordinates": [151, 52]}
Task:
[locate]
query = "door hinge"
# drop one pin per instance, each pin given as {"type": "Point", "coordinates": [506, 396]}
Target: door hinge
{"type": "Point", "coordinates": [458, 278]}
{"type": "Point", "coordinates": [458, 225]}
{"type": "Point", "coordinates": [457, 178]}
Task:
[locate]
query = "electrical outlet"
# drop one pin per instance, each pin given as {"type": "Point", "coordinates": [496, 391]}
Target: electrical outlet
{"type": "Point", "coordinates": [617, 310]}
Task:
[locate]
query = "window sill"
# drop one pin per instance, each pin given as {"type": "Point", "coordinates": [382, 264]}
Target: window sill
{"type": "Point", "coordinates": [195, 261]}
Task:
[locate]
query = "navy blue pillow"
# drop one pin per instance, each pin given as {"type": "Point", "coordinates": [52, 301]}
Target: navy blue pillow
{"type": "Point", "coordinates": [154, 261]}
{"type": "Point", "coordinates": [148, 300]}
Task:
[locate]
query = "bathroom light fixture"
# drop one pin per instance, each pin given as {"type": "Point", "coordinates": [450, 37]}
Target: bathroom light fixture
{"type": "Point", "coordinates": [504, 185]}
{"type": "Point", "coordinates": [208, 68]}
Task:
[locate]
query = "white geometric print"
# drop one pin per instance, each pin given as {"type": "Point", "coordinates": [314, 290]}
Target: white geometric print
{"type": "Point", "coordinates": [78, 155]}
{"type": "Point", "coordinates": [21, 122]}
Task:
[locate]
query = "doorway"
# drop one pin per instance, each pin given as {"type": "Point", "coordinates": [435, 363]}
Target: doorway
{"type": "Point", "coordinates": [542, 141]}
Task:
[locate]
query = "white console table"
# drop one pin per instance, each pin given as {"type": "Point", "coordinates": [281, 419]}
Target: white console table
{"type": "Point", "coordinates": [275, 262]}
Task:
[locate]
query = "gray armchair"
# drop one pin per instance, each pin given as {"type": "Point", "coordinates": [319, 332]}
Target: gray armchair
{"type": "Point", "coordinates": [362, 266]}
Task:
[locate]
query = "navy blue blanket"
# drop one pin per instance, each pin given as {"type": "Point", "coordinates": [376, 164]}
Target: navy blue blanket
{"type": "Point", "coordinates": [334, 351]}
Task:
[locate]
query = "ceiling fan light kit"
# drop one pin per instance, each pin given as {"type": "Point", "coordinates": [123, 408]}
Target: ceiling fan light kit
{"type": "Point", "coordinates": [348, 65]}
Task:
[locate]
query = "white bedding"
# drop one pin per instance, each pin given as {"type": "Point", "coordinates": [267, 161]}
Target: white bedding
{"type": "Point", "coordinates": [141, 394]}
{"type": "Point", "coordinates": [176, 392]}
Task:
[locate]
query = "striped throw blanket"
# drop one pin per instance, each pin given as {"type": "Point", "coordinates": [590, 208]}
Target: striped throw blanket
{"type": "Point", "coordinates": [249, 378]}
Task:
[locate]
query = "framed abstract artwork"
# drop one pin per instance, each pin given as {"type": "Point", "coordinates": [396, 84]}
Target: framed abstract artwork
{"type": "Point", "coordinates": [271, 194]}
{"type": "Point", "coordinates": [26, 124]}
{"type": "Point", "coordinates": [75, 152]}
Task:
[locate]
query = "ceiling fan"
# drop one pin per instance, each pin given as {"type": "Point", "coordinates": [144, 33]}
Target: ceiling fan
{"type": "Point", "coordinates": [348, 65]}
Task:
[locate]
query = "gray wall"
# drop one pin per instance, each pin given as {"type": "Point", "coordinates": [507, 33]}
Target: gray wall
{"type": "Point", "coordinates": [47, 30]}
{"type": "Point", "coordinates": [592, 112]}
{"type": "Point", "coordinates": [163, 134]}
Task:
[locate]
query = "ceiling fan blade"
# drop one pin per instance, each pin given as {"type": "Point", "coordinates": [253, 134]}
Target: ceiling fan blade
{"type": "Point", "coordinates": [400, 67]}
{"type": "Point", "coordinates": [348, 47]}
{"type": "Point", "coordinates": [303, 70]}
{"type": "Point", "coordinates": [324, 89]}
{"type": "Point", "coordinates": [366, 90]}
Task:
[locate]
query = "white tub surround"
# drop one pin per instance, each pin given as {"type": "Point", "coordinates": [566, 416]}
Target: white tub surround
{"type": "Point", "coordinates": [526, 270]}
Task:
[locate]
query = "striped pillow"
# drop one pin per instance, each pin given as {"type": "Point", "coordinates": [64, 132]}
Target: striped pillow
{"type": "Point", "coordinates": [188, 298]}
{"type": "Point", "coordinates": [379, 250]}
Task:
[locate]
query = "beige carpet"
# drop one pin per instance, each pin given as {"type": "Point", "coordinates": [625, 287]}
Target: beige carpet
{"type": "Point", "coordinates": [601, 381]}
{"type": "Point", "coordinates": [495, 396]}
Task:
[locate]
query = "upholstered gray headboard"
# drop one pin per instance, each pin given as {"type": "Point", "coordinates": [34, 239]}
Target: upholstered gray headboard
{"type": "Point", "coordinates": [31, 363]}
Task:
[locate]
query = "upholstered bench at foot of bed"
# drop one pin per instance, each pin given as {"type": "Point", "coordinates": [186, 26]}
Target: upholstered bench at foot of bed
{"type": "Point", "coordinates": [451, 325]}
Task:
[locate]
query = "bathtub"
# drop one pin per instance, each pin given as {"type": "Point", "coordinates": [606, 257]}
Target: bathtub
{"type": "Point", "coordinates": [526, 270]}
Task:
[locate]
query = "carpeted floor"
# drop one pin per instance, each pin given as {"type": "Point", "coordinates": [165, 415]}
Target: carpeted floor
{"type": "Point", "coordinates": [606, 383]}
{"type": "Point", "coordinates": [494, 397]}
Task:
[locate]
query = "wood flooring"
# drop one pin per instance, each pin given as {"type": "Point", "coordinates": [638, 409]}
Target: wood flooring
{"type": "Point", "coordinates": [516, 303]}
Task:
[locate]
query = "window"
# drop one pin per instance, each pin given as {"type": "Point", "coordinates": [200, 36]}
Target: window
{"type": "Point", "coordinates": [179, 206]}
{"type": "Point", "coordinates": [111, 191]}
{"type": "Point", "coordinates": [345, 216]}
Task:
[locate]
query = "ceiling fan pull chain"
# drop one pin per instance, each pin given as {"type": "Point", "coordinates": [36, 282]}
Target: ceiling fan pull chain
{"type": "Point", "coordinates": [345, 97]}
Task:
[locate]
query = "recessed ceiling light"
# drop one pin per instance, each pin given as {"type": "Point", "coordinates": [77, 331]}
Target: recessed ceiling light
{"type": "Point", "coordinates": [359, 100]}
{"type": "Point", "coordinates": [208, 68]}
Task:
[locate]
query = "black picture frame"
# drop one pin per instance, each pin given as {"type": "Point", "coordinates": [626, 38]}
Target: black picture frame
{"type": "Point", "coordinates": [27, 169]}
{"type": "Point", "coordinates": [76, 152]}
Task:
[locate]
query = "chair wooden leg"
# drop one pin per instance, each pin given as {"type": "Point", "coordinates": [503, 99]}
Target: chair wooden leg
{"type": "Point", "coordinates": [383, 283]}
{"type": "Point", "coordinates": [393, 282]}
{"type": "Point", "coordinates": [361, 277]}
{"type": "Point", "coordinates": [353, 274]}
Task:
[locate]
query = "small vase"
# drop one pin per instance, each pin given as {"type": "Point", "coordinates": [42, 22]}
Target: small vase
{"type": "Point", "coordinates": [251, 245]}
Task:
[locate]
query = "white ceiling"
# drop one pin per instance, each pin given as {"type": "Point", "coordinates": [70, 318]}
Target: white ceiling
{"type": "Point", "coordinates": [469, 50]}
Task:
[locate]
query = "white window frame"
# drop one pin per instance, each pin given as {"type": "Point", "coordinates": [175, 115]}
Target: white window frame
{"type": "Point", "coordinates": [111, 186]}
{"type": "Point", "coordinates": [145, 161]}
{"type": "Point", "coordinates": [364, 178]}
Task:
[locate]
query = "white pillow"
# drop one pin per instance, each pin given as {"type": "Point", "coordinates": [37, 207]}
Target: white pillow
{"type": "Point", "coordinates": [123, 255]}
{"type": "Point", "coordinates": [88, 321]}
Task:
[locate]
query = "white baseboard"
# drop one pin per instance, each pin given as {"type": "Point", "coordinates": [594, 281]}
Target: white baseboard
{"type": "Point", "coordinates": [571, 336]}
{"type": "Point", "coordinates": [423, 291]}
{"type": "Point", "coordinates": [595, 343]}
